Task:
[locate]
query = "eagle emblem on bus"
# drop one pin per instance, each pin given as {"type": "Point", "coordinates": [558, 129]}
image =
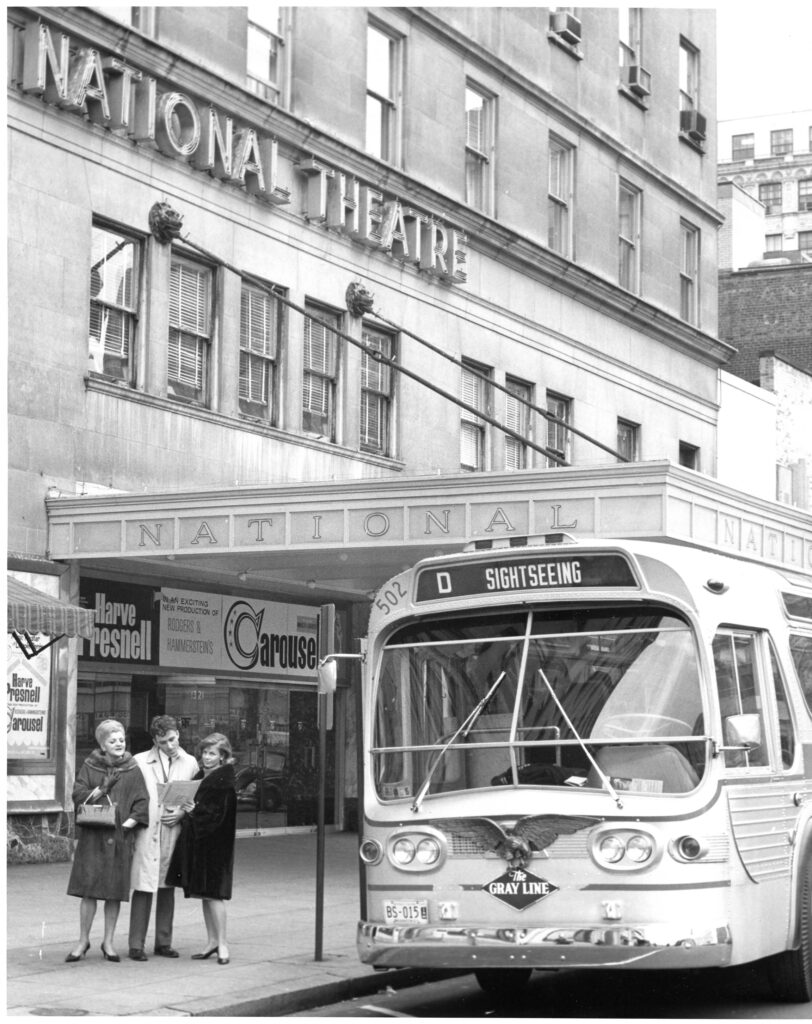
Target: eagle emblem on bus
{"type": "Point", "coordinates": [516, 844]}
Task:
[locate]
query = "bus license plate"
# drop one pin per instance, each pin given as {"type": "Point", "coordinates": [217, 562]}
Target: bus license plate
{"type": "Point", "coordinates": [406, 911]}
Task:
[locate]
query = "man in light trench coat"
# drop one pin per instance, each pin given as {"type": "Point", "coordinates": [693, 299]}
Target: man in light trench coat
{"type": "Point", "coordinates": [164, 762]}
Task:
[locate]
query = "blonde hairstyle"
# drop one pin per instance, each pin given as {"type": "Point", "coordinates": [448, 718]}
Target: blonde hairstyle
{"type": "Point", "coordinates": [105, 728]}
{"type": "Point", "coordinates": [220, 743]}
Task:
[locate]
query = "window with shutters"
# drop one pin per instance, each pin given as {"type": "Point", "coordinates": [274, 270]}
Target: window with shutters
{"type": "Point", "coordinates": [189, 355]}
{"type": "Point", "coordinates": [320, 372]}
{"type": "Point", "coordinates": [479, 121]}
{"type": "Point", "coordinates": [376, 393]}
{"type": "Point", "coordinates": [517, 417]}
{"type": "Point", "coordinates": [475, 392]}
{"type": "Point", "coordinates": [558, 437]}
{"type": "Point", "coordinates": [260, 327]}
{"type": "Point", "coordinates": [115, 261]}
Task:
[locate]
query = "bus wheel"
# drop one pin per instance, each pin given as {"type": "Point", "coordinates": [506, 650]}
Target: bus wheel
{"type": "Point", "coordinates": [790, 973]}
{"type": "Point", "coordinates": [503, 981]}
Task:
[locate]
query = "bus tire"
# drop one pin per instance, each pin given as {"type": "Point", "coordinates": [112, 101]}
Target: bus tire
{"type": "Point", "coordinates": [790, 973]}
{"type": "Point", "coordinates": [503, 981]}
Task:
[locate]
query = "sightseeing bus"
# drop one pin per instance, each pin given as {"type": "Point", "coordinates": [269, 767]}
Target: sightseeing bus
{"type": "Point", "coordinates": [589, 754]}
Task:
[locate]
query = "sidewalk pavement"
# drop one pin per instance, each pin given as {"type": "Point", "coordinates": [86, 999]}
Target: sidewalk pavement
{"type": "Point", "coordinates": [271, 939]}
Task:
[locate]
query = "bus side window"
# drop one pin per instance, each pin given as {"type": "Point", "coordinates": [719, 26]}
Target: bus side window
{"type": "Point", "coordinates": [786, 729]}
{"type": "Point", "coordinates": [735, 663]}
{"type": "Point", "coordinates": [801, 649]}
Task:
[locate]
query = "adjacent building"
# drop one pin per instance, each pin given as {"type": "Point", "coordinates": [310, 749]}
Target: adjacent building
{"type": "Point", "coordinates": [299, 295]}
{"type": "Point", "coordinates": [765, 280]}
{"type": "Point", "coordinates": [770, 158]}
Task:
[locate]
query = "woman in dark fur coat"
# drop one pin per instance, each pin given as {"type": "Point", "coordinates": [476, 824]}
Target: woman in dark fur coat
{"type": "Point", "coordinates": [101, 861]}
{"type": "Point", "coordinates": [203, 861]}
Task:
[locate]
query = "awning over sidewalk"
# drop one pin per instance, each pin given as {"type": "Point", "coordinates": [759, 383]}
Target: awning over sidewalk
{"type": "Point", "coordinates": [29, 610]}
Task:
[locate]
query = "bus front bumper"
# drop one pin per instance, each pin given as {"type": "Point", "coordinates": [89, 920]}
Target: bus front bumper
{"type": "Point", "coordinates": [659, 947]}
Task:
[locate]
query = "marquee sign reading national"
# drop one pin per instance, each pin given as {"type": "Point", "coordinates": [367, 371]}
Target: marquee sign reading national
{"type": "Point", "coordinates": [548, 573]}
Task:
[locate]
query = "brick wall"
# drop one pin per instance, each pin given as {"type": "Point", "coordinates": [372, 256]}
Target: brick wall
{"type": "Point", "coordinates": [767, 310]}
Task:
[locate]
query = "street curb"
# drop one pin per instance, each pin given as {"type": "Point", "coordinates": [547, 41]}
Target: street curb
{"type": "Point", "coordinates": [284, 1003]}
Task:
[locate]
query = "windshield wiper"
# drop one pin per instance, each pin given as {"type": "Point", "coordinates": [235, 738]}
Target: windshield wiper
{"type": "Point", "coordinates": [607, 785]}
{"type": "Point", "coordinates": [463, 731]}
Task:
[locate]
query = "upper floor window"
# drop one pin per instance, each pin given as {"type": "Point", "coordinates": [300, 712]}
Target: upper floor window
{"type": "Point", "coordinates": [376, 393]}
{"type": "Point", "coordinates": [320, 373]}
{"type": "Point", "coordinates": [689, 272]}
{"type": "Point", "coordinates": [805, 194]}
{"type": "Point", "coordinates": [629, 35]}
{"type": "Point", "coordinates": [771, 194]}
{"type": "Point", "coordinates": [114, 276]}
{"type": "Point", "coordinates": [743, 147]}
{"type": "Point", "coordinates": [628, 237]}
{"type": "Point", "coordinates": [479, 136]}
{"type": "Point", "coordinates": [688, 455]}
{"type": "Point", "coordinates": [264, 51]}
{"type": "Point", "coordinates": [260, 322]}
{"type": "Point", "coordinates": [142, 18]}
{"type": "Point", "coordinates": [628, 440]}
{"type": "Point", "coordinates": [189, 354]}
{"type": "Point", "coordinates": [805, 241]}
{"type": "Point", "coordinates": [781, 142]}
{"type": "Point", "coordinates": [773, 243]}
{"type": "Point", "coordinates": [688, 76]}
{"type": "Point", "coordinates": [517, 417]}
{"type": "Point", "coordinates": [476, 392]}
{"type": "Point", "coordinates": [561, 162]}
{"type": "Point", "coordinates": [558, 437]}
{"type": "Point", "coordinates": [381, 125]}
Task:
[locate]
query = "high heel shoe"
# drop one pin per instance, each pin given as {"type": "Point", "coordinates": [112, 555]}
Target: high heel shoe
{"type": "Point", "coordinates": [114, 958]}
{"type": "Point", "coordinates": [204, 956]}
{"type": "Point", "coordinates": [72, 958]}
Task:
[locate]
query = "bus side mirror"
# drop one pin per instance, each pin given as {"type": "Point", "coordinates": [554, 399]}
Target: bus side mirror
{"type": "Point", "coordinates": [328, 676]}
{"type": "Point", "coordinates": [743, 731]}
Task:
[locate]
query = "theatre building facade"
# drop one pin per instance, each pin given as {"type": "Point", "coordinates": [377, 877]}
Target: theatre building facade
{"type": "Point", "coordinates": [299, 295]}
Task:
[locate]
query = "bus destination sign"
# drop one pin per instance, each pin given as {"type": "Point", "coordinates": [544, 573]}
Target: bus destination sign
{"type": "Point", "coordinates": [554, 572]}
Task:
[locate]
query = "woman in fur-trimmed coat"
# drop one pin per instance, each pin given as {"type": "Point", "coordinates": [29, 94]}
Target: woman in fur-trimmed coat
{"type": "Point", "coordinates": [203, 861]}
{"type": "Point", "coordinates": [101, 861]}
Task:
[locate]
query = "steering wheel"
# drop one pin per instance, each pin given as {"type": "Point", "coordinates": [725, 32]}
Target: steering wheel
{"type": "Point", "coordinates": [642, 723]}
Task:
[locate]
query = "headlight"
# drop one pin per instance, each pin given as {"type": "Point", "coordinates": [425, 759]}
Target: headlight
{"type": "Point", "coordinates": [611, 849]}
{"type": "Point", "coordinates": [624, 849]}
{"type": "Point", "coordinates": [428, 851]}
{"type": "Point", "coordinates": [403, 851]}
{"type": "Point", "coordinates": [639, 849]}
{"type": "Point", "coordinates": [416, 849]}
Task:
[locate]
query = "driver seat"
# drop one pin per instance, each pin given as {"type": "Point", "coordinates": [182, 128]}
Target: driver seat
{"type": "Point", "coordinates": [631, 767]}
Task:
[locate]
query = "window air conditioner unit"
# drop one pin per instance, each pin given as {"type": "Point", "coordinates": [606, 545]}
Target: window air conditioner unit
{"type": "Point", "coordinates": [637, 80]}
{"type": "Point", "coordinates": [693, 124]}
{"type": "Point", "coordinates": [566, 25]}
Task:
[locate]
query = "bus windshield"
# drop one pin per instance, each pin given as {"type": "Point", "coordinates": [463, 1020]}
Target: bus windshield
{"type": "Point", "coordinates": [561, 697]}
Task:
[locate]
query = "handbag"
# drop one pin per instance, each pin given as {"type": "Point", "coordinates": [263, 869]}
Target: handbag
{"type": "Point", "coordinates": [96, 815]}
